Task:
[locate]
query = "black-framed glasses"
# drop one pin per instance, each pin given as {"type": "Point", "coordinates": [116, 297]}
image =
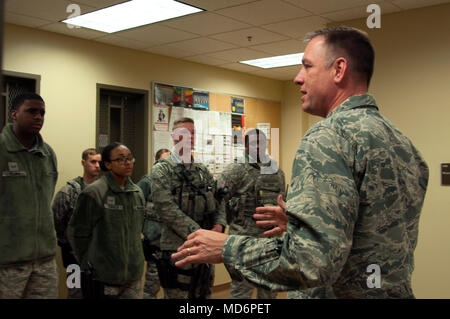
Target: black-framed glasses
{"type": "Point", "coordinates": [123, 160]}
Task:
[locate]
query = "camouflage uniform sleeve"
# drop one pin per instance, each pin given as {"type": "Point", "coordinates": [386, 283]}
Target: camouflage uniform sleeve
{"type": "Point", "coordinates": [165, 205]}
{"type": "Point", "coordinates": [220, 217]}
{"type": "Point", "coordinates": [62, 210]}
{"type": "Point", "coordinates": [322, 208]}
{"type": "Point", "coordinates": [81, 225]}
{"type": "Point", "coordinates": [283, 183]}
{"type": "Point", "coordinates": [144, 184]}
{"type": "Point", "coordinates": [229, 178]}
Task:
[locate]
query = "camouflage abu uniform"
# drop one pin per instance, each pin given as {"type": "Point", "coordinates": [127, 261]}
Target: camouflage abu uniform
{"type": "Point", "coordinates": [357, 189]}
{"type": "Point", "coordinates": [152, 233]}
{"type": "Point", "coordinates": [249, 188]}
{"type": "Point", "coordinates": [27, 233]}
{"type": "Point", "coordinates": [180, 213]}
{"type": "Point", "coordinates": [63, 206]}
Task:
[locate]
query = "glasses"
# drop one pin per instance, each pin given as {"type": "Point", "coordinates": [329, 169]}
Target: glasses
{"type": "Point", "coordinates": [123, 160]}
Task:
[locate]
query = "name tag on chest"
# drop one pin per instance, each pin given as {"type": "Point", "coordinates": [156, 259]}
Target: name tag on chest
{"type": "Point", "coordinates": [13, 170]}
{"type": "Point", "coordinates": [111, 204]}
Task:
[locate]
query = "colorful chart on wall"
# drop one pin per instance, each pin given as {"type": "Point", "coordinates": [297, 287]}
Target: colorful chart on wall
{"type": "Point", "coordinates": [218, 132]}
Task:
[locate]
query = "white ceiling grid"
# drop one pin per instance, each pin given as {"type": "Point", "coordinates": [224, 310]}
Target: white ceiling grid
{"type": "Point", "coordinates": [228, 32]}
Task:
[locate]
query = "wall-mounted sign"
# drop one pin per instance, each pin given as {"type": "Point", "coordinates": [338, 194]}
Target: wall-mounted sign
{"type": "Point", "coordinates": [237, 105]}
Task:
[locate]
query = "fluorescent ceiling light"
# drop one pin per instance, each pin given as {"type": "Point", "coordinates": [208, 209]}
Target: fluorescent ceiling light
{"type": "Point", "coordinates": [132, 14]}
{"type": "Point", "coordinates": [276, 61]}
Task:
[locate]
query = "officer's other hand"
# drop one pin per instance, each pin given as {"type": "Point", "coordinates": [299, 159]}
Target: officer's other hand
{"type": "Point", "coordinates": [272, 216]}
{"type": "Point", "coordinates": [202, 246]}
{"type": "Point", "coordinates": [217, 228]}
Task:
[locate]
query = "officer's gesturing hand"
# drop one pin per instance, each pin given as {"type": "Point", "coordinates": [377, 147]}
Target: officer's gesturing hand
{"type": "Point", "coordinates": [202, 246]}
{"type": "Point", "coordinates": [272, 216]}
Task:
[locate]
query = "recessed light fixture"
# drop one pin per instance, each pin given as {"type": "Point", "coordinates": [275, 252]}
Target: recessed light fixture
{"type": "Point", "coordinates": [276, 61]}
{"type": "Point", "coordinates": [132, 14]}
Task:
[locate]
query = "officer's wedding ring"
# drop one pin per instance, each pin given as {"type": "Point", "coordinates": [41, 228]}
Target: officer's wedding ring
{"type": "Point", "coordinates": [188, 251]}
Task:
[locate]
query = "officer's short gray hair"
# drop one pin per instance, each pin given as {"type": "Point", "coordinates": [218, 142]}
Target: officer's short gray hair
{"type": "Point", "coordinates": [350, 43]}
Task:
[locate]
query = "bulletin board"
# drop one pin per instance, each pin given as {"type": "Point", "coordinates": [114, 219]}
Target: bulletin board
{"type": "Point", "coordinates": [217, 116]}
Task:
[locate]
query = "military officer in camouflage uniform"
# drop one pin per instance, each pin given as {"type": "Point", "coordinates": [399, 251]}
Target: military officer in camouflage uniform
{"type": "Point", "coordinates": [64, 204]}
{"type": "Point", "coordinates": [28, 175]}
{"type": "Point", "coordinates": [183, 197]}
{"type": "Point", "coordinates": [248, 187]}
{"type": "Point", "coordinates": [357, 190]}
{"type": "Point", "coordinates": [105, 229]}
{"type": "Point", "coordinates": [152, 234]}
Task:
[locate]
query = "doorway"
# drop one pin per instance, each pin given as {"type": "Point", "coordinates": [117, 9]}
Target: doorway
{"type": "Point", "coordinates": [122, 117]}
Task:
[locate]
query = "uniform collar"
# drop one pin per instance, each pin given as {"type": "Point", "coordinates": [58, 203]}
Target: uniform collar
{"type": "Point", "coordinates": [176, 158]}
{"type": "Point", "coordinates": [354, 102]}
{"type": "Point", "coordinates": [250, 160]}
{"type": "Point", "coordinates": [13, 145]}
{"type": "Point", "coordinates": [80, 181]}
{"type": "Point", "coordinates": [129, 185]}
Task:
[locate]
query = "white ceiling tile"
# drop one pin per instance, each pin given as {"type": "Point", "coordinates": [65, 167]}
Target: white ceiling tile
{"type": "Point", "coordinates": [281, 47]}
{"type": "Point", "coordinates": [240, 54]}
{"type": "Point", "coordinates": [205, 60]}
{"type": "Point", "coordinates": [264, 12]}
{"type": "Point", "coordinates": [211, 5]}
{"type": "Point", "coordinates": [25, 20]}
{"type": "Point", "coordinates": [360, 12]}
{"type": "Point", "coordinates": [239, 67]}
{"type": "Point", "coordinates": [412, 4]}
{"type": "Point", "coordinates": [122, 42]}
{"type": "Point", "coordinates": [297, 28]}
{"type": "Point", "coordinates": [43, 9]}
{"type": "Point", "coordinates": [171, 50]}
{"type": "Point", "coordinates": [203, 45]}
{"type": "Point", "coordinates": [206, 23]}
{"type": "Point", "coordinates": [63, 28]}
{"type": "Point", "coordinates": [323, 6]}
{"type": "Point", "coordinates": [284, 73]}
{"type": "Point", "coordinates": [156, 34]}
{"type": "Point", "coordinates": [240, 38]}
{"type": "Point", "coordinates": [99, 3]}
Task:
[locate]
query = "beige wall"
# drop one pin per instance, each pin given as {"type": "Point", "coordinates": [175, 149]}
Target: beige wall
{"type": "Point", "coordinates": [412, 86]}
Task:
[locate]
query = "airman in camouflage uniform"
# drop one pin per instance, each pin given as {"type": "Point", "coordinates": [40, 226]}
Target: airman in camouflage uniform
{"type": "Point", "coordinates": [183, 197]}
{"type": "Point", "coordinates": [357, 190]}
{"type": "Point", "coordinates": [64, 204]}
{"type": "Point", "coordinates": [152, 234]}
{"type": "Point", "coordinates": [28, 174]}
{"type": "Point", "coordinates": [249, 187]}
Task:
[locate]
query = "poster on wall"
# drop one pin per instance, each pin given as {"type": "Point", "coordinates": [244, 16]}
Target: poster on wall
{"type": "Point", "coordinates": [177, 95]}
{"type": "Point", "coordinates": [188, 97]}
{"type": "Point", "coordinates": [237, 105]}
{"type": "Point", "coordinates": [238, 126]}
{"type": "Point", "coordinates": [265, 128]}
{"type": "Point", "coordinates": [182, 96]}
{"type": "Point", "coordinates": [160, 117]}
{"type": "Point", "coordinates": [176, 113]}
{"type": "Point", "coordinates": [163, 94]}
{"type": "Point", "coordinates": [161, 140]}
{"type": "Point", "coordinates": [201, 100]}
